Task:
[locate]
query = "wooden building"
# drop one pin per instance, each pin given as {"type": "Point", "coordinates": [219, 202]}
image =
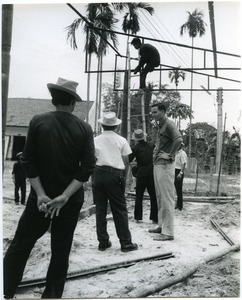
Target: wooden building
{"type": "Point", "coordinates": [21, 111]}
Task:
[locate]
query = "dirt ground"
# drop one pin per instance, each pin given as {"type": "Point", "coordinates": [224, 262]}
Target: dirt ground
{"type": "Point", "coordinates": [195, 240]}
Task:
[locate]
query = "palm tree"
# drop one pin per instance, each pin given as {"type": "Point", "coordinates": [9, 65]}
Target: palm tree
{"type": "Point", "coordinates": [99, 16]}
{"type": "Point", "coordinates": [131, 25]}
{"type": "Point", "coordinates": [194, 26]}
{"type": "Point", "coordinates": [176, 74]}
{"type": "Point", "coordinates": [131, 19]}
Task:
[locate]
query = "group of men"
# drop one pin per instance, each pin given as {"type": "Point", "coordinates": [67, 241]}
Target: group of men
{"type": "Point", "coordinates": [60, 154]}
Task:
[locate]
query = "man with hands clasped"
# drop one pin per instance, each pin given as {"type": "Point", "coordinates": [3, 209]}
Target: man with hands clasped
{"type": "Point", "coordinates": [58, 157]}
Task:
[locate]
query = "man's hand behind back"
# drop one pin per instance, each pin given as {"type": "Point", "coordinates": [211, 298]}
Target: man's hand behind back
{"type": "Point", "coordinates": [42, 204]}
{"type": "Point", "coordinates": [55, 205]}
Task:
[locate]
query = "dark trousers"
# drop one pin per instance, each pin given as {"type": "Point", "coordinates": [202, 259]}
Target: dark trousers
{"type": "Point", "coordinates": [178, 186]}
{"type": "Point", "coordinates": [32, 225]}
{"type": "Point", "coordinates": [143, 73]}
{"type": "Point", "coordinates": [110, 186]}
{"type": "Point", "coordinates": [141, 184]}
{"type": "Point", "coordinates": [20, 184]}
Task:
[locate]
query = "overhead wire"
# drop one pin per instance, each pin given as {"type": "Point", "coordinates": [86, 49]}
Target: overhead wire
{"type": "Point", "coordinates": [159, 37]}
{"type": "Point", "coordinates": [181, 50]}
{"type": "Point", "coordinates": [177, 51]}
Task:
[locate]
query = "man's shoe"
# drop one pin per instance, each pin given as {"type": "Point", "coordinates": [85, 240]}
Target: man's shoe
{"type": "Point", "coordinates": [103, 246]}
{"type": "Point", "coordinates": [164, 237]}
{"type": "Point", "coordinates": [130, 247]}
{"type": "Point", "coordinates": [156, 230]}
{"type": "Point", "coordinates": [138, 221]}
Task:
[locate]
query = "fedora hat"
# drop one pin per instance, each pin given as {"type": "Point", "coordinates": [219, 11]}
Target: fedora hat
{"type": "Point", "coordinates": [110, 119]}
{"type": "Point", "coordinates": [65, 85]}
{"type": "Point", "coordinates": [19, 154]}
{"type": "Point", "coordinates": [139, 135]}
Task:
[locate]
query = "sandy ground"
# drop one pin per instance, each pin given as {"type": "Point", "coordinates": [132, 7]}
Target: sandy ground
{"type": "Point", "coordinates": [195, 239]}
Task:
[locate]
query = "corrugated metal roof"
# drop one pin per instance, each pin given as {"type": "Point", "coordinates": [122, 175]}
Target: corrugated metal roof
{"type": "Point", "coordinates": [21, 110]}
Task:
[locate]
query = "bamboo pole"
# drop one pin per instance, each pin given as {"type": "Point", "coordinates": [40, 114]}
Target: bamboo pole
{"type": "Point", "coordinates": [224, 235]}
{"type": "Point", "coordinates": [146, 290]}
{"type": "Point", "coordinates": [101, 268]}
{"type": "Point", "coordinates": [194, 198]}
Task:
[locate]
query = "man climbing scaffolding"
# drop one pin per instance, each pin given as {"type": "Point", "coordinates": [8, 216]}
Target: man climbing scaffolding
{"type": "Point", "coordinates": [149, 59]}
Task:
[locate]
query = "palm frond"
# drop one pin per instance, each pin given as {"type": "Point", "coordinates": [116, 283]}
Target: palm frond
{"type": "Point", "coordinates": [146, 6]}
{"type": "Point", "coordinates": [71, 32]}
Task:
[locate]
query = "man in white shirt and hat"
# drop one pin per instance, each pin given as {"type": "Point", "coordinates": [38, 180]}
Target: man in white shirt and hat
{"type": "Point", "coordinates": [112, 152]}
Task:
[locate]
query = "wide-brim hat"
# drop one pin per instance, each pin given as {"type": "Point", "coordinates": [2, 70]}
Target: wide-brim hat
{"type": "Point", "coordinates": [110, 119]}
{"type": "Point", "coordinates": [139, 135]}
{"type": "Point", "coordinates": [65, 85]}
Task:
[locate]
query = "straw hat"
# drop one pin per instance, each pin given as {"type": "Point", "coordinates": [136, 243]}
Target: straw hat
{"type": "Point", "coordinates": [110, 119]}
{"type": "Point", "coordinates": [139, 135]}
{"type": "Point", "coordinates": [65, 85]}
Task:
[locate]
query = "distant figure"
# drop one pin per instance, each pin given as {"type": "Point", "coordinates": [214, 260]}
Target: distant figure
{"type": "Point", "coordinates": [149, 59]}
{"type": "Point", "coordinates": [180, 165]}
{"type": "Point", "coordinates": [143, 152]}
{"type": "Point", "coordinates": [58, 157]}
{"type": "Point", "coordinates": [112, 152]}
{"type": "Point", "coordinates": [19, 179]}
{"type": "Point", "coordinates": [168, 141]}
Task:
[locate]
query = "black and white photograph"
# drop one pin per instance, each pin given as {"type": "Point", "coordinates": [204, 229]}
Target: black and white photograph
{"type": "Point", "coordinates": [121, 149]}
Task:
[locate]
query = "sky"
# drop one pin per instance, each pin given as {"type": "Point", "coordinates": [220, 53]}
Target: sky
{"type": "Point", "coordinates": [40, 52]}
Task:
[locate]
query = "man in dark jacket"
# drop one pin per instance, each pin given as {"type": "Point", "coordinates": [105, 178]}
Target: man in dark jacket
{"type": "Point", "coordinates": [19, 179]}
{"type": "Point", "coordinates": [143, 152]}
{"type": "Point", "coordinates": [149, 59]}
{"type": "Point", "coordinates": [58, 158]}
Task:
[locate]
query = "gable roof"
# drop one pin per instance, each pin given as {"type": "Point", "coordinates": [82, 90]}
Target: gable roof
{"type": "Point", "coordinates": [21, 110]}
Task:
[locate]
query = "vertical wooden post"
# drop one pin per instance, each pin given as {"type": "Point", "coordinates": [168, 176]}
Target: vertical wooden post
{"type": "Point", "coordinates": [7, 21]}
{"type": "Point", "coordinates": [143, 110]}
{"type": "Point", "coordinates": [219, 127]}
{"type": "Point", "coordinates": [220, 166]}
{"type": "Point", "coordinates": [124, 106]}
{"type": "Point", "coordinates": [128, 95]}
{"type": "Point", "coordinates": [211, 174]}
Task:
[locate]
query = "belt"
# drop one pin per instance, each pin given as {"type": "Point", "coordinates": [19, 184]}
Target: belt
{"type": "Point", "coordinates": [162, 161]}
{"type": "Point", "coordinates": [110, 169]}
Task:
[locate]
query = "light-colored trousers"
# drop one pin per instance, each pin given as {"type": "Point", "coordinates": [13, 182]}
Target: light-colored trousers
{"type": "Point", "coordinates": [165, 194]}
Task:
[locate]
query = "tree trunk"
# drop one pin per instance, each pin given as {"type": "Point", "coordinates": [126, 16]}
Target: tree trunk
{"type": "Point", "coordinates": [7, 21]}
{"type": "Point", "coordinates": [96, 104]}
{"type": "Point", "coordinates": [149, 289]}
{"type": "Point", "coordinates": [190, 128]}
{"type": "Point", "coordinates": [100, 92]}
{"type": "Point", "coordinates": [88, 86]}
